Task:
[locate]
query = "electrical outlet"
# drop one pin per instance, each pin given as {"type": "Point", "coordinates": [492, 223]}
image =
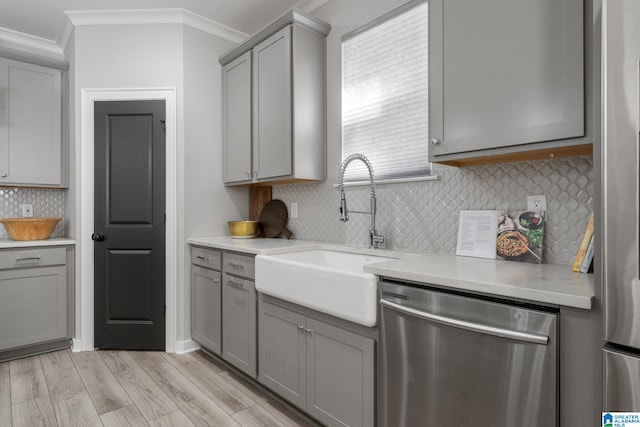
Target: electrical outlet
{"type": "Point", "coordinates": [537, 203]}
{"type": "Point", "coordinates": [27, 211]}
{"type": "Point", "coordinates": [294, 209]}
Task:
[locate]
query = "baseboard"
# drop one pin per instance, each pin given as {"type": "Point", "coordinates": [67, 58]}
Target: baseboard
{"type": "Point", "coordinates": [77, 346]}
{"type": "Point", "coordinates": [188, 346]}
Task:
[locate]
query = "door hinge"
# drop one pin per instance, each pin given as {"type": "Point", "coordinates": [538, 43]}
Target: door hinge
{"type": "Point", "coordinates": [164, 307]}
{"type": "Point", "coordinates": [163, 123]}
{"type": "Point", "coordinates": [165, 219]}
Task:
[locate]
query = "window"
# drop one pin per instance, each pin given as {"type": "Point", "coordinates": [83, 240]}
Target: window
{"type": "Point", "coordinates": [385, 95]}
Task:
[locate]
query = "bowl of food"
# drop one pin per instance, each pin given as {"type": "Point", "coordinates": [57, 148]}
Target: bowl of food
{"type": "Point", "coordinates": [29, 228]}
{"type": "Point", "coordinates": [243, 229]}
{"type": "Point", "coordinates": [512, 245]}
{"type": "Point", "coordinates": [530, 220]}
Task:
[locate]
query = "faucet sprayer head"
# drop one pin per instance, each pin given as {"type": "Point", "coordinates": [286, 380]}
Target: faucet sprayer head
{"type": "Point", "coordinates": [344, 213]}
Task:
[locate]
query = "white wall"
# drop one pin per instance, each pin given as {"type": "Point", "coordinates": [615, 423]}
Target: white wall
{"type": "Point", "coordinates": [168, 56]}
{"type": "Point", "coordinates": [206, 203]}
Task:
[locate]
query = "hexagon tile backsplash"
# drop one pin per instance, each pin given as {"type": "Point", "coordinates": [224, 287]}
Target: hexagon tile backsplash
{"type": "Point", "coordinates": [47, 203]}
{"type": "Point", "coordinates": [424, 215]}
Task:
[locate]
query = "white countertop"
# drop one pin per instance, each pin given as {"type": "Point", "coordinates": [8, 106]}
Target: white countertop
{"type": "Point", "coordinates": [59, 241]}
{"type": "Point", "coordinates": [543, 283]}
{"type": "Point", "coordinates": [253, 246]}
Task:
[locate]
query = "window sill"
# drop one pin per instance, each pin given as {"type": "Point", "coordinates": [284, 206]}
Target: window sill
{"type": "Point", "coordinates": [390, 181]}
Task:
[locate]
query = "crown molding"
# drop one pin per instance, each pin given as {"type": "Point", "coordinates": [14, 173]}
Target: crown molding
{"type": "Point", "coordinates": [154, 16]}
{"type": "Point", "coordinates": [38, 46]}
{"type": "Point", "coordinates": [65, 34]}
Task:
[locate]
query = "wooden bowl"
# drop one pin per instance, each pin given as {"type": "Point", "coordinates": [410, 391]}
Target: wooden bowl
{"type": "Point", "coordinates": [243, 229]}
{"type": "Point", "coordinates": [29, 228]}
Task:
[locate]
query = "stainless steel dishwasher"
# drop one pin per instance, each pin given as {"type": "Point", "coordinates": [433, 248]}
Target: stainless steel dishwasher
{"type": "Point", "coordinates": [450, 359]}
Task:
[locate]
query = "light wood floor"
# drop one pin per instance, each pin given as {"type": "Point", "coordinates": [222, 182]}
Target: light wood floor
{"type": "Point", "coordinates": [122, 388]}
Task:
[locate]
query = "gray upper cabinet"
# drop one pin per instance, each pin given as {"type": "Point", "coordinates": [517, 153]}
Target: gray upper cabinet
{"type": "Point", "coordinates": [505, 76]}
{"type": "Point", "coordinates": [236, 95]}
{"type": "Point", "coordinates": [30, 124]}
{"type": "Point", "coordinates": [274, 104]}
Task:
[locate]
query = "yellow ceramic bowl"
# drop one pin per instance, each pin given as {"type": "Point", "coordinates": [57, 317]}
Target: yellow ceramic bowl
{"type": "Point", "coordinates": [244, 229]}
{"type": "Point", "coordinates": [29, 228]}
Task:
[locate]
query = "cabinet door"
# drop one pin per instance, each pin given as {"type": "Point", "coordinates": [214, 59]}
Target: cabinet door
{"type": "Point", "coordinates": [30, 124]}
{"type": "Point", "coordinates": [236, 95]}
{"type": "Point", "coordinates": [505, 73]}
{"type": "Point", "coordinates": [272, 112]}
{"type": "Point", "coordinates": [239, 323]}
{"type": "Point", "coordinates": [340, 376]}
{"type": "Point", "coordinates": [33, 306]}
{"type": "Point", "coordinates": [206, 308]}
{"type": "Point", "coordinates": [282, 352]}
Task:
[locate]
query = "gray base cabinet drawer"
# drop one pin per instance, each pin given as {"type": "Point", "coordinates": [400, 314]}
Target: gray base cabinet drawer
{"type": "Point", "coordinates": [206, 258]}
{"type": "Point", "coordinates": [39, 257]}
{"type": "Point", "coordinates": [33, 305]}
{"type": "Point", "coordinates": [239, 265]}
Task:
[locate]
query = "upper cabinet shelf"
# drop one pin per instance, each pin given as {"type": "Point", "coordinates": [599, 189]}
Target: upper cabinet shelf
{"type": "Point", "coordinates": [507, 80]}
{"type": "Point", "coordinates": [274, 104]}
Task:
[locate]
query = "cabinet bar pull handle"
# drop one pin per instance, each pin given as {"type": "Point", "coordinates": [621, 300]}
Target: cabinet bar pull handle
{"type": "Point", "coordinates": [236, 266]}
{"type": "Point", "coordinates": [30, 258]}
{"type": "Point", "coordinates": [235, 284]}
{"type": "Point", "coordinates": [201, 257]}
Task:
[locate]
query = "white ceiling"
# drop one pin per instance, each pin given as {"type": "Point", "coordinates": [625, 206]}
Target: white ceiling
{"type": "Point", "coordinates": [46, 18]}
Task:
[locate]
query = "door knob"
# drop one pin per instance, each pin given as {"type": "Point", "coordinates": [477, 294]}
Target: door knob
{"type": "Point", "coordinates": [98, 237]}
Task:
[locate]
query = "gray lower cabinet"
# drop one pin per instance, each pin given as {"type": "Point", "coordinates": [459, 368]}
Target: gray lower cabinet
{"type": "Point", "coordinates": [326, 370]}
{"type": "Point", "coordinates": [206, 299]}
{"type": "Point", "coordinates": [239, 323]}
{"type": "Point", "coordinates": [223, 306]}
{"type": "Point", "coordinates": [33, 300]}
{"type": "Point", "coordinates": [239, 340]}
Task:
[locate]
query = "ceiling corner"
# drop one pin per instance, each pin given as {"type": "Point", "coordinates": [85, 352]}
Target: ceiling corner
{"type": "Point", "coordinates": [310, 6]}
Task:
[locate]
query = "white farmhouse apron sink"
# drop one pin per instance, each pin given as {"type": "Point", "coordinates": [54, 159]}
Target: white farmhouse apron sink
{"type": "Point", "coordinates": [332, 282]}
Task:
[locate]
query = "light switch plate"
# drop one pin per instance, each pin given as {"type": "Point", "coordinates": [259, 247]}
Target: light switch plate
{"type": "Point", "coordinates": [294, 209]}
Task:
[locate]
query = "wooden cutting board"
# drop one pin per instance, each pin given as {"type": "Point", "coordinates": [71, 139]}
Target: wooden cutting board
{"type": "Point", "coordinates": [273, 219]}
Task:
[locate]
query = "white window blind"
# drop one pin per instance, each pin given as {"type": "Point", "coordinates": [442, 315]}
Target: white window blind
{"type": "Point", "coordinates": [385, 96]}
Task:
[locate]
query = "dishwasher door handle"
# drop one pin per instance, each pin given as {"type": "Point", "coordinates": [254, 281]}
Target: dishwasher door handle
{"type": "Point", "coordinates": [469, 326]}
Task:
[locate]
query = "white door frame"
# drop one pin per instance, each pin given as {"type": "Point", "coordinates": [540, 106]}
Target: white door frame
{"type": "Point", "coordinates": [84, 292]}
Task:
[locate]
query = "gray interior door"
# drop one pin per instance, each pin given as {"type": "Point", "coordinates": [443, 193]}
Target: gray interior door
{"type": "Point", "coordinates": [129, 298]}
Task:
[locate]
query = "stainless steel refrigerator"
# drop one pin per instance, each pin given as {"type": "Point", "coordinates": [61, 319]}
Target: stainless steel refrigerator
{"type": "Point", "coordinates": [620, 220]}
